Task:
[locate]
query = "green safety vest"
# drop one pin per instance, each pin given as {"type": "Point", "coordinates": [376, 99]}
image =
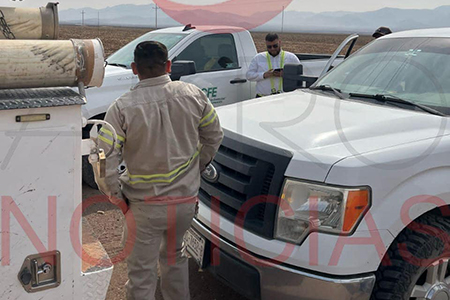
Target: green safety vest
{"type": "Point", "coordinates": [272, 80]}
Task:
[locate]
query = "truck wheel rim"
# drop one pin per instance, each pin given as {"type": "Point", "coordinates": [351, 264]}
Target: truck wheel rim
{"type": "Point", "coordinates": [436, 285]}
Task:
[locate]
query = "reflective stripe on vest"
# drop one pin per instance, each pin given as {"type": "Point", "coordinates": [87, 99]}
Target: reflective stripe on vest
{"type": "Point", "coordinates": [163, 178]}
{"type": "Point", "coordinates": [272, 80]}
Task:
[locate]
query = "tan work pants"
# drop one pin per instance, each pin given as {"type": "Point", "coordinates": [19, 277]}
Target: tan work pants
{"type": "Point", "coordinates": [158, 234]}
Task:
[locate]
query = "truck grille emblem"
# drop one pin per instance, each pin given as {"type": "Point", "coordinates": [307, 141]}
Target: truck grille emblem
{"type": "Point", "coordinates": [211, 174]}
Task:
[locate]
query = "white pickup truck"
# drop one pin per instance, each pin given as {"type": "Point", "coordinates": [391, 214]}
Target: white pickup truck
{"type": "Point", "coordinates": [340, 191]}
{"type": "Point", "coordinates": [223, 80]}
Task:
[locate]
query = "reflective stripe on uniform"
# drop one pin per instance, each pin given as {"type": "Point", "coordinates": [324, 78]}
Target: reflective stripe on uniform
{"type": "Point", "coordinates": [272, 80]}
{"type": "Point", "coordinates": [163, 178]}
{"type": "Point", "coordinates": [209, 118]}
{"type": "Point", "coordinates": [108, 141]}
{"type": "Point", "coordinates": [107, 136]}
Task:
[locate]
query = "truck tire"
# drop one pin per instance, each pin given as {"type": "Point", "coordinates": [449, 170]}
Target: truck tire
{"type": "Point", "coordinates": [88, 173]}
{"type": "Point", "coordinates": [416, 264]}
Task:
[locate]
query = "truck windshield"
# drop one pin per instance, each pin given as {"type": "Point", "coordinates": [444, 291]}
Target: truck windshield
{"type": "Point", "coordinates": [125, 56]}
{"type": "Point", "coordinates": [414, 69]}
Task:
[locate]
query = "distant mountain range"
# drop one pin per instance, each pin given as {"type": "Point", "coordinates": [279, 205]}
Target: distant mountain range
{"type": "Point", "coordinates": [294, 21]}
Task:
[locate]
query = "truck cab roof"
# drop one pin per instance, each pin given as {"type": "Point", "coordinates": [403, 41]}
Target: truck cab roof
{"type": "Point", "coordinates": [197, 29]}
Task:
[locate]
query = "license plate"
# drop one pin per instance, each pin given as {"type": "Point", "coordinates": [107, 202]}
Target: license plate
{"type": "Point", "coordinates": [195, 245]}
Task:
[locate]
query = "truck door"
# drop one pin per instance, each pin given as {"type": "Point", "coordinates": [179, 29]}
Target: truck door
{"type": "Point", "coordinates": [218, 70]}
{"type": "Point", "coordinates": [351, 41]}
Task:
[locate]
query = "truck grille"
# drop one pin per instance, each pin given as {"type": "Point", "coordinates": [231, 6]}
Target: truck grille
{"type": "Point", "coordinates": [247, 170]}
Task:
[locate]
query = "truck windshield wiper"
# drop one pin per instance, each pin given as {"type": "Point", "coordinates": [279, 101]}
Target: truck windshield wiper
{"type": "Point", "coordinates": [327, 87]}
{"type": "Point", "coordinates": [117, 65]}
{"type": "Point", "coordinates": [395, 99]}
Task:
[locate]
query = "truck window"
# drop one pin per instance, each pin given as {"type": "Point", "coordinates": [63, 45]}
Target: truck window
{"type": "Point", "coordinates": [212, 53]}
{"type": "Point", "coordinates": [125, 55]}
{"type": "Point", "coordinates": [415, 69]}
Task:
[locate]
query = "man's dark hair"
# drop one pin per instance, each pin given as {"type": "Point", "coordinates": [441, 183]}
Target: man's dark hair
{"type": "Point", "coordinates": [382, 31]}
{"type": "Point", "coordinates": [270, 37]}
{"type": "Point", "coordinates": [150, 58]}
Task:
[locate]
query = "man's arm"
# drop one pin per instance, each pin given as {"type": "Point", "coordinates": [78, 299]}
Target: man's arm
{"type": "Point", "coordinates": [110, 184]}
{"type": "Point", "coordinates": [210, 133]}
{"type": "Point", "coordinates": [253, 74]}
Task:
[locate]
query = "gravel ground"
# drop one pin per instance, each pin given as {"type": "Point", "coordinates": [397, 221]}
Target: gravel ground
{"type": "Point", "coordinates": [106, 222]}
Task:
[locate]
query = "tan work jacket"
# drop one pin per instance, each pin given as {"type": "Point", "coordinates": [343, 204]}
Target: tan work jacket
{"type": "Point", "coordinates": [167, 134]}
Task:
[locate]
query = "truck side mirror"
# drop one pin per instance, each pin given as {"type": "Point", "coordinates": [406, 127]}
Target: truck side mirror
{"type": "Point", "coordinates": [182, 68]}
{"type": "Point", "coordinates": [293, 78]}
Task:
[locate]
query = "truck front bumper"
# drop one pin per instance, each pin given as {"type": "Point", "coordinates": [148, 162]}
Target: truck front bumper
{"type": "Point", "coordinates": [256, 278]}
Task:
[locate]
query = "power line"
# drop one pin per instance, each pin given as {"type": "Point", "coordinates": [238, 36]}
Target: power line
{"type": "Point", "coordinates": [156, 15]}
{"type": "Point", "coordinates": [82, 17]}
{"type": "Point", "coordinates": [98, 22]}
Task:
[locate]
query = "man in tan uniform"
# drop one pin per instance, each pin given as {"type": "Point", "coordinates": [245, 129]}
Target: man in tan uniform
{"type": "Point", "coordinates": [168, 132]}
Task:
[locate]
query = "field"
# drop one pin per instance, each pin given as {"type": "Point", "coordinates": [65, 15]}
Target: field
{"type": "Point", "coordinates": [106, 220]}
{"type": "Point", "coordinates": [114, 38]}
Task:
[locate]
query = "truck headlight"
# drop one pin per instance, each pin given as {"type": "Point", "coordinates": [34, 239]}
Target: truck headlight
{"type": "Point", "coordinates": [307, 207]}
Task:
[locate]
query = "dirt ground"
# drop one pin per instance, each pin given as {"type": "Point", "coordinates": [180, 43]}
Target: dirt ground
{"type": "Point", "coordinates": [106, 220]}
{"type": "Point", "coordinates": [114, 38]}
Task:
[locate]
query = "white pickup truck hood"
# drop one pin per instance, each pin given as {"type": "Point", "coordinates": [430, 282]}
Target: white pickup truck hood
{"type": "Point", "coordinates": [112, 71]}
{"type": "Point", "coordinates": [321, 130]}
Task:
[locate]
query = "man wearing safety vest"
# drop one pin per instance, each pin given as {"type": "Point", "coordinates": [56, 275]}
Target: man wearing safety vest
{"type": "Point", "coordinates": [167, 133]}
{"type": "Point", "coordinates": [266, 68]}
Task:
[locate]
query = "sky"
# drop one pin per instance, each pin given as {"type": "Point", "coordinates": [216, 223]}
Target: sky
{"type": "Point", "coordinates": [299, 5]}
